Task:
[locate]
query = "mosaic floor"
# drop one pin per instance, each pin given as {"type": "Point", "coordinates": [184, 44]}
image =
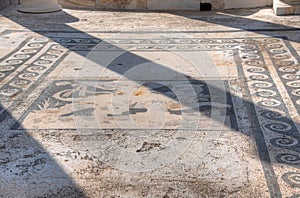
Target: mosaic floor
{"type": "Point", "coordinates": [150, 114]}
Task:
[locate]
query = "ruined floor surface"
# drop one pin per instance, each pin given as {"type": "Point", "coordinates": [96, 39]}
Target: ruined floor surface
{"type": "Point", "coordinates": [129, 104]}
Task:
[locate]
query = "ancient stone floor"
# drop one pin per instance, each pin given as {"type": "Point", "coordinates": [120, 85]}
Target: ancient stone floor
{"type": "Point", "coordinates": [140, 104]}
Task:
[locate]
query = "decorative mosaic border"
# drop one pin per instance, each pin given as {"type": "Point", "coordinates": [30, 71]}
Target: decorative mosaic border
{"type": "Point", "coordinates": [276, 134]}
{"type": "Point", "coordinates": [21, 55]}
{"type": "Point", "coordinates": [19, 84]}
{"type": "Point", "coordinates": [280, 134]}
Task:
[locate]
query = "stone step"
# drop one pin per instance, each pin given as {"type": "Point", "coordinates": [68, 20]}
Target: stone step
{"type": "Point", "coordinates": [286, 7]}
{"type": "Point", "coordinates": [78, 4]}
{"type": "Point", "coordinates": [164, 5]}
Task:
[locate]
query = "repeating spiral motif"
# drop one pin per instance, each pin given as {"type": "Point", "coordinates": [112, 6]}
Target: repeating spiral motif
{"type": "Point", "coordinates": [204, 41]}
{"type": "Point", "coordinates": [269, 103]}
{"type": "Point", "coordinates": [226, 46]}
{"type": "Point", "coordinates": [296, 92]}
{"type": "Point", "coordinates": [201, 47]}
{"type": "Point", "coordinates": [278, 127]}
{"type": "Point", "coordinates": [254, 63]}
{"type": "Point", "coordinates": [252, 56]}
{"type": "Point", "coordinates": [178, 47]}
{"type": "Point", "coordinates": [168, 47]}
{"type": "Point", "coordinates": [41, 39]}
{"type": "Point", "coordinates": [288, 159]}
{"type": "Point", "coordinates": [9, 92]}
{"type": "Point", "coordinates": [286, 63]}
{"type": "Point", "coordinates": [248, 46]}
{"type": "Point", "coordinates": [281, 56]}
{"type": "Point", "coordinates": [277, 120]}
{"type": "Point", "coordinates": [6, 68]}
{"type": "Point", "coordinates": [49, 56]}
{"type": "Point", "coordinates": [43, 62]}
{"type": "Point", "coordinates": [82, 47]}
{"type": "Point", "coordinates": [286, 69]}
{"type": "Point", "coordinates": [266, 93]}
{"type": "Point", "coordinates": [250, 51]}
{"type": "Point", "coordinates": [29, 51]}
{"type": "Point", "coordinates": [278, 51]}
{"type": "Point", "coordinates": [292, 178]}
{"type": "Point", "coordinates": [259, 77]}
{"type": "Point", "coordinates": [87, 41]}
{"type": "Point", "coordinates": [272, 115]}
{"type": "Point", "coordinates": [168, 41]}
{"type": "Point", "coordinates": [294, 84]}
{"type": "Point", "coordinates": [14, 61]}
{"type": "Point", "coordinates": [21, 56]}
{"type": "Point", "coordinates": [57, 47]}
{"type": "Point", "coordinates": [35, 45]}
{"type": "Point", "coordinates": [284, 142]}
{"type": "Point", "coordinates": [262, 84]}
{"type": "Point", "coordinates": [182, 41]}
{"type": "Point", "coordinates": [31, 71]}
{"type": "Point", "coordinates": [274, 45]}
{"type": "Point", "coordinates": [20, 82]}
{"type": "Point", "coordinates": [298, 102]}
{"type": "Point", "coordinates": [256, 70]}
{"type": "Point", "coordinates": [291, 77]}
{"type": "Point", "coordinates": [63, 40]}
{"type": "Point", "coordinates": [55, 52]}
{"type": "Point", "coordinates": [228, 41]}
{"type": "Point", "coordinates": [28, 75]}
{"type": "Point", "coordinates": [36, 68]}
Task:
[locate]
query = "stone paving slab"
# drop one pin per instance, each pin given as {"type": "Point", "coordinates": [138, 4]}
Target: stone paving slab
{"type": "Point", "coordinates": [140, 113]}
{"type": "Point", "coordinates": [286, 7]}
{"type": "Point", "coordinates": [162, 5]}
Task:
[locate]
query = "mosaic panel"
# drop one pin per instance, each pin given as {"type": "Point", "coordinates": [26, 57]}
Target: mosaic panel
{"type": "Point", "coordinates": [107, 106]}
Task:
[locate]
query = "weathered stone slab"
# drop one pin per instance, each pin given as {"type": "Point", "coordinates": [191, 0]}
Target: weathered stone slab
{"type": "Point", "coordinates": [78, 4]}
{"type": "Point", "coordinates": [116, 4]}
{"type": "Point", "coordinates": [286, 7]}
{"type": "Point", "coordinates": [173, 5]}
{"type": "Point", "coordinates": [228, 4]}
{"type": "Point", "coordinates": [163, 5]}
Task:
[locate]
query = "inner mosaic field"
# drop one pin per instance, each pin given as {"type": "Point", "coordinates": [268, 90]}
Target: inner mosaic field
{"type": "Point", "coordinates": [248, 91]}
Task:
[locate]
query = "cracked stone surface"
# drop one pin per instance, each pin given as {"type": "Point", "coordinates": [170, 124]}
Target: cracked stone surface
{"type": "Point", "coordinates": [147, 104]}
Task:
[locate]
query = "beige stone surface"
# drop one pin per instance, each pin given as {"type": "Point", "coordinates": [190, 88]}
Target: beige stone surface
{"type": "Point", "coordinates": [78, 4]}
{"type": "Point", "coordinates": [162, 5]}
{"type": "Point", "coordinates": [228, 4]}
{"type": "Point", "coordinates": [115, 4]}
{"type": "Point", "coordinates": [173, 5]}
{"type": "Point", "coordinates": [287, 7]}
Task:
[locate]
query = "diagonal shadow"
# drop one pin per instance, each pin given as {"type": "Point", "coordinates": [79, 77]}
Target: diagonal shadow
{"type": "Point", "coordinates": [271, 179]}
{"type": "Point", "coordinates": [233, 20]}
{"type": "Point", "coordinates": [28, 170]}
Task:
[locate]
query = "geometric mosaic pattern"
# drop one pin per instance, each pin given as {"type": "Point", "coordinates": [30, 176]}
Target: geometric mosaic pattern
{"type": "Point", "coordinates": [258, 61]}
